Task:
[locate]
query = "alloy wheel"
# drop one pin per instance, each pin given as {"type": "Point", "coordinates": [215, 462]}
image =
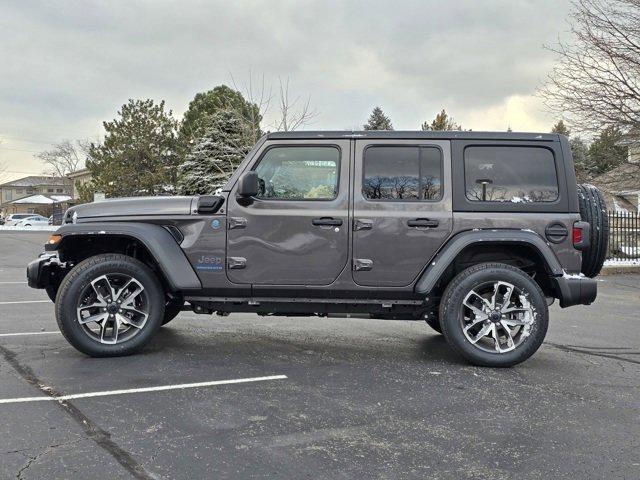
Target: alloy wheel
{"type": "Point", "coordinates": [113, 308]}
{"type": "Point", "coordinates": [497, 317]}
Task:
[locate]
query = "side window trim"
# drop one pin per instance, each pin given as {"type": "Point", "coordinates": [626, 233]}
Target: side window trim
{"type": "Point", "coordinates": [494, 202]}
{"type": "Point", "coordinates": [255, 165]}
{"type": "Point", "coordinates": [420, 147]}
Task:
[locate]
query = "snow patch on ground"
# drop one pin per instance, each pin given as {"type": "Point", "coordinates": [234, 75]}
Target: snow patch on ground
{"type": "Point", "coordinates": [627, 262]}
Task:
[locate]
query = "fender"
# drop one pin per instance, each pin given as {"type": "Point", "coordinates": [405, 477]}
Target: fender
{"type": "Point", "coordinates": [459, 242]}
{"type": "Point", "coordinates": [160, 243]}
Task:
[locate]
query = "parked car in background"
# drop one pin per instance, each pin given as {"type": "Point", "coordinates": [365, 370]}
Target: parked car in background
{"type": "Point", "coordinates": [33, 221]}
{"type": "Point", "coordinates": [11, 220]}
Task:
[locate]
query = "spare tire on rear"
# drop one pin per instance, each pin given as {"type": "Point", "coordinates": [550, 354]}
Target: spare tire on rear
{"type": "Point", "coordinates": [593, 210]}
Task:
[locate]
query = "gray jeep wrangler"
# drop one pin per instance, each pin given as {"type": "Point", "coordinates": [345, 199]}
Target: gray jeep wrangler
{"type": "Point", "coordinates": [476, 233]}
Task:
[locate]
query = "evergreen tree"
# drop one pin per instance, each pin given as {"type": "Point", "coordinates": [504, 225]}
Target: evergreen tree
{"type": "Point", "coordinates": [605, 152]}
{"type": "Point", "coordinates": [138, 155]}
{"type": "Point", "coordinates": [561, 128]}
{"type": "Point", "coordinates": [216, 155]}
{"type": "Point", "coordinates": [378, 121]}
{"type": "Point", "coordinates": [580, 154]}
{"type": "Point", "coordinates": [442, 122]}
{"type": "Point", "coordinates": [205, 104]}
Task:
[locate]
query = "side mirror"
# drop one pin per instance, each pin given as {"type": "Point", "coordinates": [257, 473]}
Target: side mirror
{"type": "Point", "coordinates": [248, 185]}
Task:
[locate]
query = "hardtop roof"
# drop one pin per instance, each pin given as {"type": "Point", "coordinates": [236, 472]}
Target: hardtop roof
{"type": "Point", "coordinates": [408, 134]}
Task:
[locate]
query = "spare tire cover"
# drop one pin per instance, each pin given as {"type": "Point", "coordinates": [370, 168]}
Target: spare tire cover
{"type": "Point", "coordinates": [593, 210]}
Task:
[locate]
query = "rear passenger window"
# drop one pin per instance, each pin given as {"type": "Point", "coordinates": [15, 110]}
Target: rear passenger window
{"type": "Point", "coordinates": [402, 173]}
{"type": "Point", "coordinates": [299, 173]}
{"type": "Point", "coordinates": [510, 174]}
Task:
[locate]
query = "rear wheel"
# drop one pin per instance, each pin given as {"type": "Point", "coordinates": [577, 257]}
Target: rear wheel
{"type": "Point", "coordinates": [593, 210]}
{"type": "Point", "coordinates": [110, 305]}
{"type": "Point", "coordinates": [494, 315]}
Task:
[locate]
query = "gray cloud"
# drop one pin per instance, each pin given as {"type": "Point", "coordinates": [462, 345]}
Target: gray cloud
{"type": "Point", "coordinates": [67, 66]}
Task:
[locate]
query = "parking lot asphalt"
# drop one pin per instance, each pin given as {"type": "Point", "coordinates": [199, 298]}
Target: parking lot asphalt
{"type": "Point", "coordinates": [361, 398]}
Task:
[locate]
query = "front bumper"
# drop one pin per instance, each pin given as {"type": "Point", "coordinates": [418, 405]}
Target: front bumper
{"type": "Point", "coordinates": [42, 272]}
{"type": "Point", "coordinates": [575, 290]}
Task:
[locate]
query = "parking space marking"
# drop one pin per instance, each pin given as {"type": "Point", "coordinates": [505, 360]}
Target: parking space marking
{"type": "Point", "coordinates": [13, 283]}
{"type": "Point", "coordinates": [27, 333]}
{"type": "Point", "coordinates": [161, 388]}
{"type": "Point", "coordinates": [25, 301]}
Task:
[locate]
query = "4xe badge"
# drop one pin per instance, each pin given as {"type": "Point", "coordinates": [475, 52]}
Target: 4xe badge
{"type": "Point", "coordinates": [215, 224]}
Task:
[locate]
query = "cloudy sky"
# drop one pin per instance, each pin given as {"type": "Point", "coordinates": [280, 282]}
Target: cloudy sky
{"type": "Point", "coordinates": [66, 66]}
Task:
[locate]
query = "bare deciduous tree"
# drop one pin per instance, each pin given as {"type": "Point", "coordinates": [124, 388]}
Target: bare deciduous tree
{"type": "Point", "coordinates": [596, 83]}
{"type": "Point", "coordinates": [292, 114]}
{"type": "Point", "coordinates": [65, 157]}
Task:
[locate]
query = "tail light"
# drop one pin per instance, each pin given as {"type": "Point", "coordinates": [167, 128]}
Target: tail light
{"type": "Point", "coordinates": [580, 235]}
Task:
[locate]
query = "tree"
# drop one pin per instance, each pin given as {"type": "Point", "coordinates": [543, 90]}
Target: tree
{"type": "Point", "coordinates": [606, 152]}
{"type": "Point", "coordinates": [580, 154]}
{"type": "Point", "coordinates": [216, 155]}
{"type": "Point", "coordinates": [378, 121]}
{"type": "Point", "coordinates": [65, 157]}
{"type": "Point", "coordinates": [205, 104]}
{"type": "Point", "coordinates": [561, 129]}
{"type": "Point", "coordinates": [293, 113]}
{"type": "Point", "coordinates": [442, 122]}
{"type": "Point", "coordinates": [139, 153]}
{"type": "Point", "coordinates": [597, 79]}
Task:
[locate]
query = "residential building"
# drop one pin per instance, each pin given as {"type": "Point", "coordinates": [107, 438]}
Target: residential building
{"type": "Point", "coordinates": [78, 178]}
{"type": "Point", "coordinates": [30, 186]}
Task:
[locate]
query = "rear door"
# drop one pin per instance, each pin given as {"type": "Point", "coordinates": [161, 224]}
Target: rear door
{"type": "Point", "coordinates": [295, 231]}
{"type": "Point", "coordinates": [402, 208]}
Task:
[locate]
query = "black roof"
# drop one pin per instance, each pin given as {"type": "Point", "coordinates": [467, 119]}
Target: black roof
{"type": "Point", "coordinates": [394, 134]}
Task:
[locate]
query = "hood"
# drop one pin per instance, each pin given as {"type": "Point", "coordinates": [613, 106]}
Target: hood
{"type": "Point", "coordinates": [137, 206]}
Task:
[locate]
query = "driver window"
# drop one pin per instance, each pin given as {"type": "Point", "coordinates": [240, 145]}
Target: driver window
{"type": "Point", "coordinates": [299, 173]}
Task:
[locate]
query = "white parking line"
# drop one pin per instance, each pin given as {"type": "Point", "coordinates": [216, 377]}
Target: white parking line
{"type": "Point", "coordinates": [162, 388]}
{"type": "Point", "coordinates": [26, 301]}
{"type": "Point", "coordinates": [13, 283]}
{"type": "Point", "coordinates": [27, 333]}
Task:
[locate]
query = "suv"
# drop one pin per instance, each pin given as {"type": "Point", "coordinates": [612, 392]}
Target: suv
{"type": "Point", "coordinates": [13, 219]}
{"type": "Point", "coordinates": [476, 233]}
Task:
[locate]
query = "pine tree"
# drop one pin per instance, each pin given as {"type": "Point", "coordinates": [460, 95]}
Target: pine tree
{"type": "Point", "coordinates": [605, 152]}
{"type": "Point", "coordinates": [205, 104]}
{"type": "Point", "coordinates": [561, 128]}
{"type": "Point", "coordinates": [378, 121]}
{"type": "Point", "coordinates": [442, 122]}
{"type": "Point", "coordinates": [216, 155]}
{"type": "Point", "coordinates": [580, 154]}
{"type": "Point", "coordinates": [139, 153]}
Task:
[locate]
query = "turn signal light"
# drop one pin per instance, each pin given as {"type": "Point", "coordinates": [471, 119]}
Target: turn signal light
{"type": "Point", "coordinates": [54, 239]}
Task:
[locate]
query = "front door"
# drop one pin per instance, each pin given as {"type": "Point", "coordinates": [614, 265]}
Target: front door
{"type": "Point", "coordinates": [402, 208]}
{"type": "Point", "coordinates": [295, 231]}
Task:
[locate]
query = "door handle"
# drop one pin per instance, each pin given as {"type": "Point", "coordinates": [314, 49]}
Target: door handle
{"type": "Point", "coordinates": [327, 221]}
{"type": "Point", "coordinates": [423, 223]}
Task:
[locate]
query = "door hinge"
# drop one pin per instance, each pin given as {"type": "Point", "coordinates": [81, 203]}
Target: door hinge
{"type": "Point", "coordinates": [236, 263]}
{"type": "Point", "coordinates": [236, 222]}
{"type": "Point", "coordinates": [362, 264]}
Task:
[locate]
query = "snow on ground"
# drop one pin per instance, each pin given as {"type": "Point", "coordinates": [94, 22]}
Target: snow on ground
{"type": "Point", "coordinates": [627, 262]}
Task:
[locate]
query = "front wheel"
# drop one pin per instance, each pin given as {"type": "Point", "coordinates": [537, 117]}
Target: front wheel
{"type": "Point", "coordinates": [110, 305]}
{"type": "Point", "coordinates": [494, 315]}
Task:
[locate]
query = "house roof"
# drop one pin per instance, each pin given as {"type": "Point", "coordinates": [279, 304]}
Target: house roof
{"type": "Point", "coordinates": [622, 178]}
{"type": "Point", "coordinates": [41, 199]}
{"type": "Point", "coordinates": [35, 180]}
{"type": "Point", "coordinates": [79, 173]}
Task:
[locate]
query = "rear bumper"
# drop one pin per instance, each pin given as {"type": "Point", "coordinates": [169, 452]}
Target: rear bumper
{"type": "Point", "coordinates": [43, 270]}
{"type": "Point", "coordinates": [574, 290]}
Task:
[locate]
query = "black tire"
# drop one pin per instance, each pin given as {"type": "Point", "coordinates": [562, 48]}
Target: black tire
{"type": "Point", "coordinates": [593, 210]}
{"type": "Point", "coordinates": [434, 322]}
{"type": "Point", "coordinates": [451, 314]}
{"type": "Point", "coordinates": [77, 281]}
{"type": "Point", "coordinates": [171, 311]}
